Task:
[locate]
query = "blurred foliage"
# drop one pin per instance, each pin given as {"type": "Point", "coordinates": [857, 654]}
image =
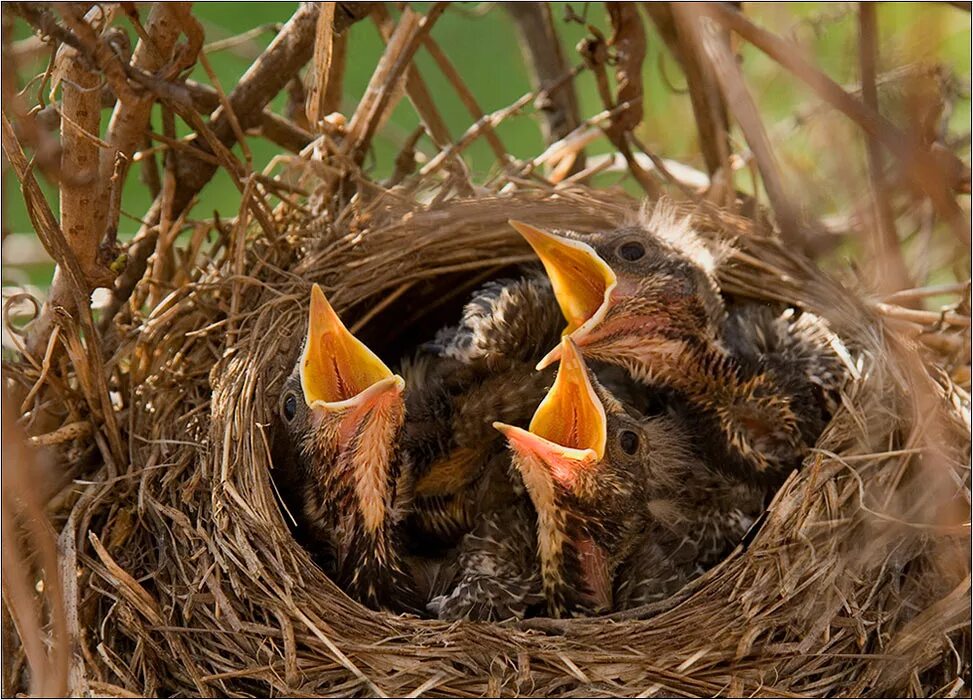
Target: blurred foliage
{"type": "Point", "coordinates": [825, 154]}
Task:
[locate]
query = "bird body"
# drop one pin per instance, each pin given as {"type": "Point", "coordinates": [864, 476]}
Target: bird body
{"type": "Point", "coordinates": [645, 461]}
{"type": "Point", "coordinates": [619, 496]}
{"type": "Point", "coordinates": [470, 375]}
{"type": "Point", "coordinates": [645, 298]}
{"type": "Point", "coordinates": [342, 414]}
{"type": "Point", "coordinates": [474, 374]}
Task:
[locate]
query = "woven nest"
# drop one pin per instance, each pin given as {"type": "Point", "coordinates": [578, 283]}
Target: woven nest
{"type": "Point", "coordinates": [192, 583]}
{"type": "Point", "coordinates": [175, 572]}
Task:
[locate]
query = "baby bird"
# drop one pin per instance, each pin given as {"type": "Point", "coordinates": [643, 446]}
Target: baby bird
{"type": "Point", "coordinates": [645, 298]}
{"type": "Point", "coordinates": [610, 486]}
{"type": "Point", "coordinates": [342, 412]}
{"type": "Point", "coordinates": [471, 375]}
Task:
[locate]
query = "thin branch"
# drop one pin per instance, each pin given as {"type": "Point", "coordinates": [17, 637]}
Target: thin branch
{"type": "Point", "coordinates": [387, 82]}
{"type": "Point", "coordinates": [716, 46]}
{"type": "Point", "coordinates": [266, 77]}
{"type": "Point", "coordinates": [541, 48]}
{"type": "Point", "coordinates": [926, 172]}
{"type": "Point", "coordinates": [319, 72]}
{"type": "Point", "coordinates": [81, 203]}
{"type": "Point", "coordinates": [886, 254]}
{"type": "Point", "coordinates": [274, 127]}
{"type": "Point", "coordinates": [415, 88]}
{"type": "Point", "coordinates": [465, 95]}
{"type": "Point", "coordinates": [704, 92]}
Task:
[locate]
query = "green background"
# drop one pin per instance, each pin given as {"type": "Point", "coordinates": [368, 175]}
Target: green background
{"type": "Point", "coordinates": [823, 155]}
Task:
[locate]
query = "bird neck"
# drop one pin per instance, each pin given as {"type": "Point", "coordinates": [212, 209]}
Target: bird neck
{"type": "Point", "coordinates": [574, 569]}
{"type": "Point", "coordinates": [370, 567]}
{"type": "Point", "coordinates": [358, 498]}
{"type": "Point", "coordinates": [753, 410]}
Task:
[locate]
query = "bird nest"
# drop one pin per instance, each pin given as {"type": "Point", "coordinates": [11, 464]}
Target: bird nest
{"type": "Point", "coordinates": [175, 571]}
{"type": "Point", "coordinates": [190, 582]}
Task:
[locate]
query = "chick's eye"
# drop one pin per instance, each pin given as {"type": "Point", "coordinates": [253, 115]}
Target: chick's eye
{"type": "Point", "coordinates": [631, 251]}
{"type": "Point", "coordinates": [629, 442]}
{"type": "Point", "coordinates": [289, 407]}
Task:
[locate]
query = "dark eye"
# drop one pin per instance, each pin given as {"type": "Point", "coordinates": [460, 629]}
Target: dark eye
{"type": "Point", "coordinates": [629, 442]}
{"type": "Point", "coordinates": [631, 251]}
{"type": "Point", "coordinates": [289, 407]}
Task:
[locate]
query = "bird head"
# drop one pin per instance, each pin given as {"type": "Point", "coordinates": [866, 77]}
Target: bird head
{"type": "Point", "coordinates": [343, 409]}
{"type": "Point", "coordinates": [583, 461]}
{"type": "Point", "coordinates": [630, 295]}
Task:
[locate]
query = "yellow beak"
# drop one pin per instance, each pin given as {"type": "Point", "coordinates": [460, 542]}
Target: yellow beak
{"type": "Point", "coordinates": [582, 281]}
{"type": "Point", "coordinates": [337, 369]}
{"type": "Point", "coordinates": [569, 430]}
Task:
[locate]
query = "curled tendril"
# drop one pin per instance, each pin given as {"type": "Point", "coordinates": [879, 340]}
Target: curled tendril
{"type": "Point", "coordinates": [8, 306]}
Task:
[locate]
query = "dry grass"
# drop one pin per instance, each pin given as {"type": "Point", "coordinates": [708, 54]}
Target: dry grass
{"type": "Point", "coordinates": [176, 570]}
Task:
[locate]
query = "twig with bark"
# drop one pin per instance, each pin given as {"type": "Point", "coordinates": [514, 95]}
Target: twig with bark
{"type": "Point", "coordinates": [927, 170]}
{"type": "Point", "coordinates": [546, 65]}
{"type": "Point", "coordinates": [891, 272]}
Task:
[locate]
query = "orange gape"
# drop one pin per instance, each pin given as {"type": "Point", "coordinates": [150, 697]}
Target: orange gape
{"type": "Point", "coordinates": [582, 281]}
{"type": "Point", "coordinates": [336, 366]}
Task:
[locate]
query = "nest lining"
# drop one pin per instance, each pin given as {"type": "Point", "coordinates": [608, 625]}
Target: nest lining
{"type": "Point", "coordinates": [197, 587]}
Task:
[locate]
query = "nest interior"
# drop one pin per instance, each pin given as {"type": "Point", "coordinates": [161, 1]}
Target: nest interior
{"type": "Point", "coordinates": [176, 572]}
{"type": "Point", "coordinates": [194, 584]}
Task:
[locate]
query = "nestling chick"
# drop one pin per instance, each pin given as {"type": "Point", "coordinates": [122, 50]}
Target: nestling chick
{"type": "Point", "coordinates": [342, 412]}
{"type": "Point", "coordinates": [473, 374]}
{"type": "Point", "coordinates": [607, 483]}
{"type": "Point", "coordinates": [645, 297]}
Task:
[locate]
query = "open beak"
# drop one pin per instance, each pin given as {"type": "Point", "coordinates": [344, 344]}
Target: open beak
{"type": "Point", "coordinates": [338, 371]}
{"type": "Point", "coordinates": [582, 281]}
{"type": "Point", "coordinates": [569, 430]}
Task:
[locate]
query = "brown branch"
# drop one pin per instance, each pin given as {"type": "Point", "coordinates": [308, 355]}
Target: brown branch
{"type": "Point", "coordinates": [704, 92]}
{"type": "Point", "coordinates": [386, 84]}
{"type": "Point", "coordinates": [336, 83]}
{"type": "Point", "coordinates": [45, 224]}
{"type": "Point", "coordinates": [716, 47]}
{"type": "Point", "coordinates": [465, 95]}
{"type": "Point", "coordinates": [81, 194]}
{"type": "Point", "coordinates": [886, 254]}
{"type": "Point", "coordinates": [319, 72]}
{"type": "Point", "coordinates": [98, 53]}
{"type": "Point", "coordinates": [346, 14]}
{"type": "Point", "coordinates": [40, 18]}
{"type": "Point", "coordinates": [89, 197]}
{"type": "Point", "coordinates": [925, 170]}
{"type": "Point", "coordinates": [126, 128]}
{"type": "Point", "coordinates": [130, 117]}
{"type": "Point", "coordinates": [628, 40]}
{"type": "Point", "coordinates": [24, 523]}
{"type": "Point", "coordinates": [546, 64]}
{"type": "Point", "coordinates": [91, 363]}
{"type": "Point", "coordinates": [415, 88]}
{"type": "Point", "coordinates": [265, 78]}
{"type": "Point", "coordinates": [626, 115]}
{"type": "Point", "coordinates": [284, 133]}
{"type": "Point", "coordinates": [81, 204]}
{"type": "Point", "coordinates": [274, 127]}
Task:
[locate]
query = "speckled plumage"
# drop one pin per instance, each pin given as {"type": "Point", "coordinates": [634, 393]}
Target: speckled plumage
{"type": "Point", "coordinates": [506, 322]}
{"type": "Point", "coordinates": [760, 382]}
{"type": "Point", "coordinates": [472, 374]}
{"type": "Point", "coordinates": [338, 462]}
{"type": "Point", "coordinates": [317, 473]}
{"type": "Point", "coordinates": [498, 577]}
{"type": "Point", "coordinates": [648, 515]}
